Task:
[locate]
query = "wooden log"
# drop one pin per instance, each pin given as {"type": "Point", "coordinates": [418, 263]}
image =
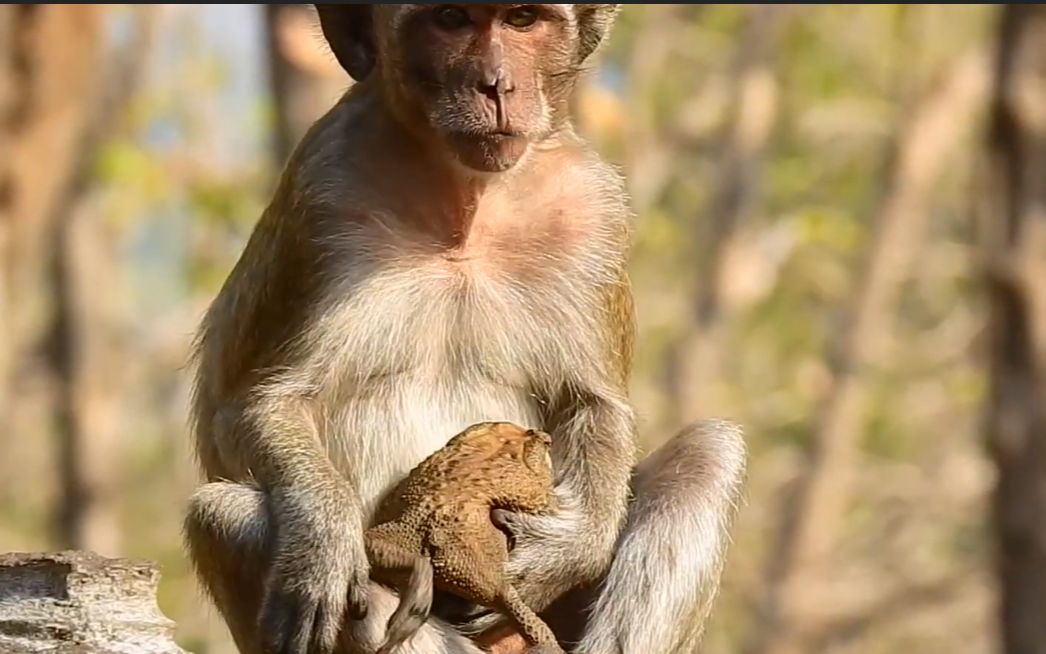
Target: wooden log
{"type": "Point", "coordinates": [77, 602]}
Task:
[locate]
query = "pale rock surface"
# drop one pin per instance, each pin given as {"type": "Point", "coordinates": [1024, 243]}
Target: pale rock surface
{"type": "Point", "coordinates": [81, 603]}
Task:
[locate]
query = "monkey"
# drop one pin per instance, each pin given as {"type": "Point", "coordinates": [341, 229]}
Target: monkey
{"type": "Point", "coordinates": [443, 248]}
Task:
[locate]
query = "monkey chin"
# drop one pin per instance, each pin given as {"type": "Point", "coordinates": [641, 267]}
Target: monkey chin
{"type": "Point", "coordinates": [488, 153]}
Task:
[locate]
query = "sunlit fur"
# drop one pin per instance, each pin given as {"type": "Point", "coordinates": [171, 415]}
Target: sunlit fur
{"type": "Point", "coordinates": [409, 347]}
{"type": "Point", "coordinates": [362, 328]}
{"type": "Point", "coordinates": [685, 495]}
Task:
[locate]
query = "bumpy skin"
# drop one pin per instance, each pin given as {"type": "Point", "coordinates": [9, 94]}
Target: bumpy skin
{"type": "Point", "coordinates": [436, 526]}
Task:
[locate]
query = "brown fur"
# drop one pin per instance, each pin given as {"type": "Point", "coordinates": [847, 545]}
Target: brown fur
{"type": "Point", "coordinates": [442, 249]}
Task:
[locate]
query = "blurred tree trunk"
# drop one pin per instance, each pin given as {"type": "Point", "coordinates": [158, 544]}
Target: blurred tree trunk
{"type": "Point", "coordinates": [86, 356]}
{"type": "Point", "coordinates": [9, 101]}
{"type": "Point", "coordinates": [53, 60]}
{"type": "Point", "coordinates": [59, 267]}
{"type": "Point", "coordinates": [809, 528]}
{"type": "Point", "coordinates": [305, 79]}
{"type": "Point", "coordinates": [648, 154]}
{"type": "Point", "coordinates": [695, 360]}
{"type": "Point", "coordinates": [1013, 234]}
{"type": "Point", "coordinates": [86, 366]}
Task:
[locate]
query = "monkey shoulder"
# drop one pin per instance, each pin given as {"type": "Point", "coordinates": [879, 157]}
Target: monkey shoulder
{"type": "Point", "coordinates": [592, 175]}
{"type": "Point", "coordinates": [574, 181]}
{"type": "Point", "coordinates": [331, 170]}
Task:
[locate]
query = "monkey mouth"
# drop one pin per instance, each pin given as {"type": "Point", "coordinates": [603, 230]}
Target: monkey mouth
{"type": "Point", "coordinates": [496, 134]}
{"type": "Point", "coordinates": [489, 151]}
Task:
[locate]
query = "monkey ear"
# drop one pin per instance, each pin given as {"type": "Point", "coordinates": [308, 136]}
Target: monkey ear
{"type": "Point", "coordinates": [349, 29]}
{"type": "Point", "coordinates": [593, 23]}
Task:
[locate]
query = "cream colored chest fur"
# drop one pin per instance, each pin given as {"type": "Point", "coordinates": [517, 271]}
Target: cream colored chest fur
{"type": "Point", "coordinates": [480, 335]}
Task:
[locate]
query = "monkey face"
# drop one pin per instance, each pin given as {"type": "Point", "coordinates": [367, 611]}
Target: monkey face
{"type": "Point", "coordinates": [489, 79]}
{"type": "Point", "coordinates": [484, 81]}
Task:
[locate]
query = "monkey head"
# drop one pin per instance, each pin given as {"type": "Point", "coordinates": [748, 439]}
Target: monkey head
{"type": "Point", "coordinates": [483, 82]}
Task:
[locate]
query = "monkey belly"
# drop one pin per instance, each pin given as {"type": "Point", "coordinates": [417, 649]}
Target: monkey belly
{"type": "Point", "coordinates": [386, 433]}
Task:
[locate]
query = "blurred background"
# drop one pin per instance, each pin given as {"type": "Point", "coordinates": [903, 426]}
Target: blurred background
{"type": "Point", "coordinates": [841, 244]}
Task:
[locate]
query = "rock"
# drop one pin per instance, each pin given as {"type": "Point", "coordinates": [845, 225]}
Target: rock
{"type": "Point", "coordinates": [81, 603]}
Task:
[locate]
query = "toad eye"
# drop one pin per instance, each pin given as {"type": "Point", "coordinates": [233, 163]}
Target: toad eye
{"type": "Point", "coordinates": [450, 17]}
{"type": "Point", "coordinates": [521, 17]}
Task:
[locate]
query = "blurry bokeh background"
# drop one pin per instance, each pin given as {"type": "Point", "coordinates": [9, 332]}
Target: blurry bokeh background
{"type": "Point", "coordinates": [841, 244]}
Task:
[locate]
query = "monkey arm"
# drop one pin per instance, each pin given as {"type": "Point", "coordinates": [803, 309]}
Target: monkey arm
{"type": "Point", "coordinates": [315, 510]}
{"type": "Point", "coordinates": [276, 434]}
{"type": "Point", "coordinates": [259, 421]}
{"type": "Point", "coordinates": [261, 352]}
{"type": "Point", "coordinates": [593, 444]}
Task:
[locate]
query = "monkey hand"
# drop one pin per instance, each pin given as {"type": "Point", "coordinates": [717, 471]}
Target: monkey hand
{"type": "Point", "coordinates": [550, 551]}
{"type": "Point", "coordinates": [319, 571]}
{"type": "Point", "coordinates": [551, 554]}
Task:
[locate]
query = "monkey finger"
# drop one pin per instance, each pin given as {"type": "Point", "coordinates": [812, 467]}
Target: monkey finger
{"type": "Point", "coordinates": [484, 622]}
{"type": "Point", "coordinates": [504, 519]}
{"type": "Point", "coordinates": [299, 633]}
{"type": "Point", "coordinates": [521, 528]}
{"type": "Point", "coordinates": [474, 612]}
{"type": "Point", "coordinates": [504, 522]}
{"type": "Point", "coordinates": [325, 628]}
{"type": "Point", "coordinates": [358, 598]}
{"type": "Point", "coordinates": [277, 621]}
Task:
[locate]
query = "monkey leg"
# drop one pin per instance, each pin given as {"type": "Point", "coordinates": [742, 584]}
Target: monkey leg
{"type": "Point", "coordinates": [228, 529]}
{"type": "Point", "coordinates": [665, 573]}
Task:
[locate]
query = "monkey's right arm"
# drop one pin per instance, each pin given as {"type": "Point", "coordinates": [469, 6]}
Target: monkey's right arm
{"type": "Point", "coordinates": [257, 422]}
{"type": "Point", "coordinates": [319, 567]}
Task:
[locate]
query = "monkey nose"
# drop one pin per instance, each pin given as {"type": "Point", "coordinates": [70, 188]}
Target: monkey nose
{"type": "Point", "coordinates": [495, 84]}
{"type": "Point", "coordinates": [504, 84]}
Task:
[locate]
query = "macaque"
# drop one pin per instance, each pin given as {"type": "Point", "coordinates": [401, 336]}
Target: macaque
{"type": "Point", "coordinates": [443, 249]}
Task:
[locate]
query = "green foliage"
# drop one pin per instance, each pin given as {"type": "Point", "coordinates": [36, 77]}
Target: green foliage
{"type": "Point", "coordinates": [225, 214]}
{"type": "Point", "coordinates": [845, 78]}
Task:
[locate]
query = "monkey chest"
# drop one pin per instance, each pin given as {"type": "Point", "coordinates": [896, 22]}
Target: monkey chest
{"type": "Point", "coordinates": [441, 325]}
{"type": "Point", "coordinates": [424, 353]}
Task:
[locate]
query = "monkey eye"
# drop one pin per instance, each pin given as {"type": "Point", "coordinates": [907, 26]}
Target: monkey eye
{"type": "Point", "coordinates": [521, 17]}
{"type": "Point", "coordinates": [450, 17]}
